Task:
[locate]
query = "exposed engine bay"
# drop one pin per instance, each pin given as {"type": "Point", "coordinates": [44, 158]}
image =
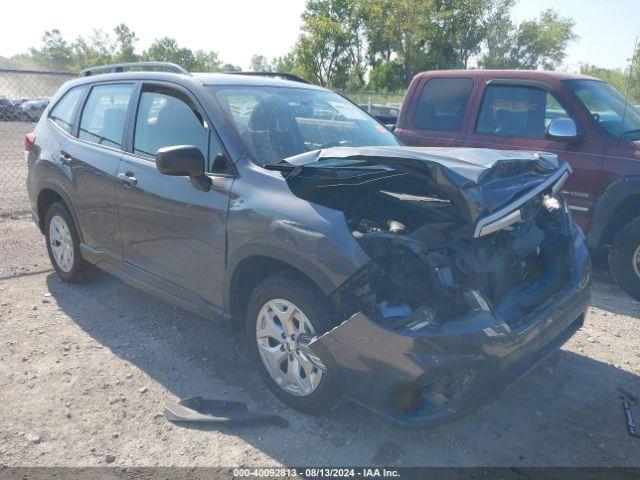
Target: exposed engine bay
{"type": "Point", "coordinates": [420, 225]}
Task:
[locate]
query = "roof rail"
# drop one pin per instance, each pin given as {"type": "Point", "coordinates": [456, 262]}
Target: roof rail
{"type": "Point", "coordinates": [286, 76]}
{"type": "Point", "coordinates": [144, 66]}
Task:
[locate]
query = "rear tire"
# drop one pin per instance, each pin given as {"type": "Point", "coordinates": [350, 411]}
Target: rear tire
{"type": "Point", "coordinates": [624, 258]}
{"type": "Point", "coordinates": [63, 245]}
{"type": "Point", "coordinates": [307, 306]}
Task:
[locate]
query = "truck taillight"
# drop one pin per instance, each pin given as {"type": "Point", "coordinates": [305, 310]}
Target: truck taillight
{"type": "Point", "coordinates": [29, 141]}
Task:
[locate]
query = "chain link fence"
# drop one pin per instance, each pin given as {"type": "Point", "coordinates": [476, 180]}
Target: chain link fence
{"type": "Point", "coordinates": [24, 95]}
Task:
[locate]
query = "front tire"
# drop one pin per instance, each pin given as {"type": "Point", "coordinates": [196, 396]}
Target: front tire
{"type": "Point", "coordinates": [280, 308]}
{"type": "Point", "coordinates": [63, 245]}
{"type": "Point", "coordinates": [624, 258]}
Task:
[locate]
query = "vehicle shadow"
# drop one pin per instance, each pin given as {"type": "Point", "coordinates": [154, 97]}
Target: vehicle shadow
{"type": "Point", "coordinates": [607, 295]}
{"type": "Point", "coordinates": [569, 393]}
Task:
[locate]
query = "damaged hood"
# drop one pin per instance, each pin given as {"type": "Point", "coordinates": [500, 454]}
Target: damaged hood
{"type": "Point", "coordinates": [480, 182]}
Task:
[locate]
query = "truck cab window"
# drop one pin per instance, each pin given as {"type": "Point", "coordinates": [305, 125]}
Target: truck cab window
{"type": "Point", "coordinates": [517, 111]}
{"type": "Point", "coordinates": [442, 104]}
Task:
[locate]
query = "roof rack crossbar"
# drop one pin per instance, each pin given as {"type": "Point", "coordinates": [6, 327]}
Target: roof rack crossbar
{"type": "Point", "coordinates": [120, 67]}
{"type": "Point", "coordinates": [286, 76]}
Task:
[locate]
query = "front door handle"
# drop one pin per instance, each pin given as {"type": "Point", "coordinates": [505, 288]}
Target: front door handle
{"type": "Point", "coordinates": [128, 178]}
{"type": "Point", "coordinates": [65, 157]}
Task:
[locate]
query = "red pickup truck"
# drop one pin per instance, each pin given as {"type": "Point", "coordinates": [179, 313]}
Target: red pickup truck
{"type": "Point", "coordinates": [585, 121]}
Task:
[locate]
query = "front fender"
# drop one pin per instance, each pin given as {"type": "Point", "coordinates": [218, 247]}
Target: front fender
{"type": "Point", "coordinates": [267, 219]}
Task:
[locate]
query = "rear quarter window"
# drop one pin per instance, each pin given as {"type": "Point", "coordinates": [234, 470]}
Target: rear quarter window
{"type": "Point", "coordinates": [62, 113]}
{"type": "Point", "coordinates": [104, 114]}
{"type": "Point", "coordinates": [442, 104]}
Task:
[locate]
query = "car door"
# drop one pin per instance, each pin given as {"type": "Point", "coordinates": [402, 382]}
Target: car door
{"type": "Point", "coordinates": [439, 117]}
{"type": "Point", "coordinates": [173, 234]}
{"type": "Point", "coordinates": [514, 115]}
{"type": "Point", "coordinates": [93, 156]}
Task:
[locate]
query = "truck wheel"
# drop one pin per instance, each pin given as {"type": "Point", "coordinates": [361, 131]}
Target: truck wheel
{"type": "Point", "coordinates": [624, 259]}
{"type": "Point", "coordinates": [63, 245]}
{"type": "Point", "coordinates": [281, 308]}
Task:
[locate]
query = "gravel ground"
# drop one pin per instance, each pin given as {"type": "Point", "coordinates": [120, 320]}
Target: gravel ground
{"type": "Point", "coordinates": [85, 371]}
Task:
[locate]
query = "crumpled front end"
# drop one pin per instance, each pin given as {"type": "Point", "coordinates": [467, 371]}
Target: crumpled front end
{"type": "Point", "coordinates": [476, 274]}
{"type": "Point", "coordinates": [424, 369]}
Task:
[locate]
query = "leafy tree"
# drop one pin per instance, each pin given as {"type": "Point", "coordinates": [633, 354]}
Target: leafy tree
{"type": "Point", "coordinates": [259, 63]}
{"type": "Point", "coordinates": [533, 44]}
{"type": "Point", "coordinates": [207, 61]}
{"type": "Point", "coordinates": [398, 29]}
{"type": "Point", "coordinates": [55, 52]}
{"type": "Point", "coordinates": [386, 76]}
{"type": "Point", "coordinates": [285, 64]}
{"type": "Point", "coordinates": [229, 67]}
{"type": "Point", "coordinates": [331, 48]}
{"type": "Point", "coordinates": [627, 80]}
{"type": "Point", "coordinates": [425, 35]}
{"type": "Point", "coordinates": [126, 40]}
{"type": "Point", "coordinates": [99, 49]}
{"type": "Point", "coordinates": [460, 28]}
{"type": "Point", "coordinates": [166, 49]}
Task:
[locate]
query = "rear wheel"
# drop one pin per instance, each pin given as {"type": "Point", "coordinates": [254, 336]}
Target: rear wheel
{"type": "Point", "coordinates": [624, 259]}
{"type": "Point", "coordinates": [281, 309]}
{"type": "Point", "coordinates": [63, 245]}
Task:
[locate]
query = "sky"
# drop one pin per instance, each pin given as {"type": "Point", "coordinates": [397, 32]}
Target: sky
{"type": "Point", "coordinates": [237, 29]}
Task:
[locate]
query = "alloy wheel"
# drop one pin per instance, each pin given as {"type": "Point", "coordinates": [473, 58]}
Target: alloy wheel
{"type": "Point", "coordinates": [61, 243]}
{"type": "Point", "coordinates": [279, 326]}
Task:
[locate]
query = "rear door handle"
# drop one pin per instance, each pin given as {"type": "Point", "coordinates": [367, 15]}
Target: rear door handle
{"type": "Point", "coordinates": [128, 178]}
{"type": "Point", "coordinates": [65, 157]}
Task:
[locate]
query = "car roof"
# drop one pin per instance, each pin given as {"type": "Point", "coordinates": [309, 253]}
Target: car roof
{"type": "Point", "coordinates": [252, 80]}
{"type": "Point", "coordinates": [520, 74]}
{"type": "Point", "coordinates": [205, 79]}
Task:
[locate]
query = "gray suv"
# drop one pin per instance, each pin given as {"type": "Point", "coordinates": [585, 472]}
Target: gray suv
{"type": "Point", "coordinates": [417, 282]}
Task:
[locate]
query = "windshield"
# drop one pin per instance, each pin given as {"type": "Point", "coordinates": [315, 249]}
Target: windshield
{"type": "Point", "coordinates": [279, 122]}
{"type": "Point", "coordinates": [609, 108]}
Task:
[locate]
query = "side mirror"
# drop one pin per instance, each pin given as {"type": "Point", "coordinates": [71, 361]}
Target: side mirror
{"type": "Point", "coordinates": [184, 161]}
{"type": "Point", "coordinates": [563, 130]}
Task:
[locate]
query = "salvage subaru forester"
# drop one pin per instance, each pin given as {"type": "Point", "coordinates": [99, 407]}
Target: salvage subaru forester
{"type": "Point", "coordinates": [417, 282]}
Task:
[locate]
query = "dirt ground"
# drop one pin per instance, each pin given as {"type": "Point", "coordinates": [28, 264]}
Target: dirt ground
{"type": "Point", "coordinates": [85, 371]}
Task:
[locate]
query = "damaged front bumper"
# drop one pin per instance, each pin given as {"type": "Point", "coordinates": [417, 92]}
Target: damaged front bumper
{"type": "Point", "coordinates": [433, 375]}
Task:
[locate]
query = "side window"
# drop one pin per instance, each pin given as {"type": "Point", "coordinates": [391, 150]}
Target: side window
{"type": "Point", "coordinates": [166, 118]}
{"type": "Point", "coordinates": [442, 104]}
{"type": "Point", "coordinates": [63, 112]}
{"type": "Point", "coordinates": [517, 111]}
{"type": "Point", "coordinates": [104, 114]}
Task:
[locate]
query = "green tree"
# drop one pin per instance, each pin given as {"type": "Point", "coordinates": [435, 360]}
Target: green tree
{"type": "Point", "coordinates": [624, 80]}
{"type": "Point", "coordinates": [259, 63]}
{"type": "Point", "coordinates": [285, 64]}
{"type": "Point", "coordinates": [425, 35]}
{"type": "Point", "coordinates": [126, 40]}
{"type": "Point", "coordinates": [398, 29]}
{"type": "Point", "coordinates": [229, 67]}
{"type": "Point", "coordinates": [56, 52]}
{"type": "Point", "coordinates": [460, 28]}
{"type": "Point", "coordinates": [532, 44]}
{"type": "Point", "coordinates": [207, 61]}
{"type": "Point", "coordinates": [331, 48]}
{"type": "Point", "coordinates": [166, 49]}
